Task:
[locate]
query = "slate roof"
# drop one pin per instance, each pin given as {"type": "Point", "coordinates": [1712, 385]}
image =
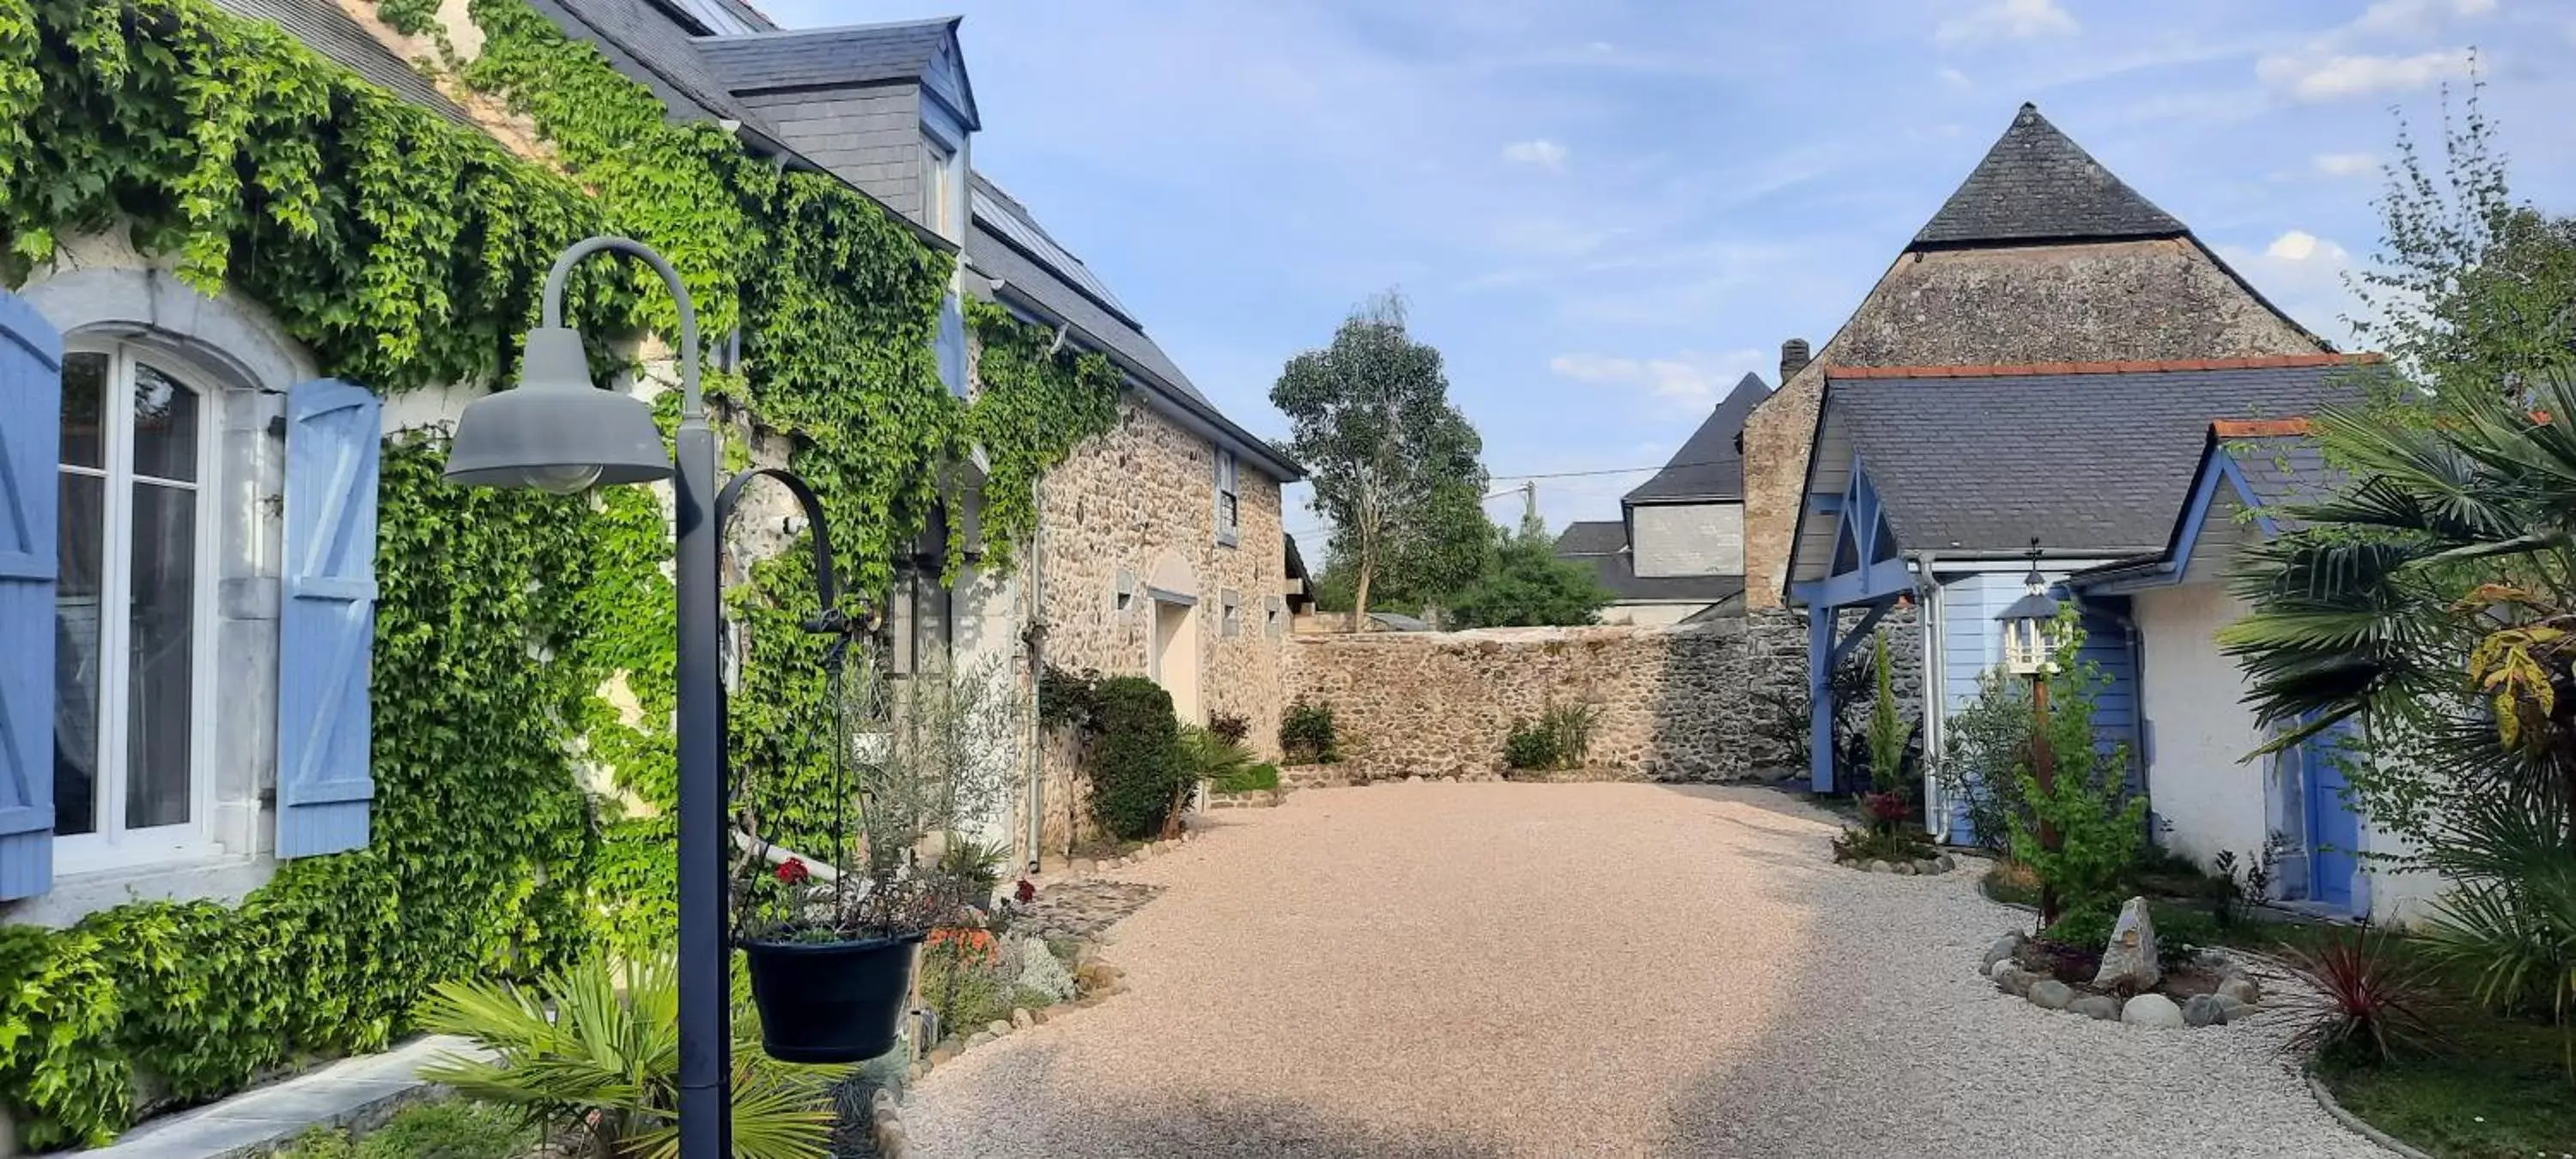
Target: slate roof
{"type": "Point", "coordinates": [1604, 545]}
{"type": "Point", "coordinates": [645, 42]}
{"type": "Point", "coordinates": [2095, 461]}
{"type": "Point", "coordinates": [1034, 279]}
{"type": "Point", "coordinates": [854, 54]}
{"type": "Point", "coordinates": [2284, 470]}
{"type": "Point", "coordinates": [321, 26]}
{"type": "Point", "coordinates": [2037, 184]}
{"type": "Point", "coordinates": [1710, 464]}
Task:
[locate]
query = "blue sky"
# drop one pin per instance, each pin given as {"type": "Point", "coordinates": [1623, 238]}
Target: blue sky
{"type": "Point", "coordinates": [1604, 212]}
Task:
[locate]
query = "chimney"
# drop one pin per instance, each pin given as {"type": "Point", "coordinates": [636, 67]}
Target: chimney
{"type": "Point", "coordinates": [1793, 358]}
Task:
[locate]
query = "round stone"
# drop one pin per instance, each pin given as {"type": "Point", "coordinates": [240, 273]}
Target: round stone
{"type": "Point", "coordinates": [2003, 947]}
{"type": "Point", "coordinates": [1903, 868]}
{"type": "Point", "coordinates": [2051, 994]}
{"type": "Point", "coordinates": [997, 1027]}
{"type": "Point", "coordinates": [2202, 1010]}
{"type": "Point", "coordinates": [2001, 966]}
{"type": "Point", "coordinates": [1878, 867]}
{"type": "Point", "coordinates": [2231, 1010]}
{"type": "Point", "coordinates": [1021, 1018]}
{"type": "Point", "coordinates": [2152, 1010]}
{"type": "Point", "coordinates": [1947, 862]}
{"type": "Point", "coordinates": [2241, 988]}
{"type": "Point", "coordinates": [1927, 867]}
{"type": "Point", "coordinates": [978, 1038]}
{"type": "Point", "coordinates": [2096, 1006]}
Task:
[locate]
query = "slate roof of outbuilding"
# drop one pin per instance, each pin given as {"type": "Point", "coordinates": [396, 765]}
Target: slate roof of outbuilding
{"type": "Point", "coordinates": [853, 54]}
{"type": "Point", "coordinates": [2037, 184]}
{"type": "Point", "coordinates": [2094, 461]}
{"type": "Point", "coordinates": [2285, 469]}
{"type": "Point", "coordinates": [1603, 543]}
{"type": "Point", "coordinates": [1710, 464]}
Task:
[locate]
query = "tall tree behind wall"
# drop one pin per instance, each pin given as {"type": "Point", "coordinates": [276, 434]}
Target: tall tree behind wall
{"type": "Point", "coordinates": [1394, 463]}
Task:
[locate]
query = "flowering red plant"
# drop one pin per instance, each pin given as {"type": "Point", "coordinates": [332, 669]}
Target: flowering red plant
{"type": "Point", "coordinates": [1884, 808]}
{"type": "Point", "coordinates": [1027, 891]}
{"type": "Point", "coordinates": [793, 871]}
{"type": "Point", "coordinates": [966, 944]}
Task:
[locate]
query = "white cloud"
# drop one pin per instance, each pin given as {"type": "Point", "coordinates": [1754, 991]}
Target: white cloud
{"type": "Point", "coordinates": [1954, 78]}
{"type": "Point", "coordinates": [1689, 382]}
{"type": "Point", "coordinates": [2334, 77]}
{"type": "Point", "coordinates": [1542, 153]}
{"type": "Point", "coordinates": [2416, 16]}
{"type": "Point", "coordinates": [2304, 275]}
{"type": "Point", "coordinates": [2345, 164]}
{"type": "Point", "coordinates": [2008, 19]}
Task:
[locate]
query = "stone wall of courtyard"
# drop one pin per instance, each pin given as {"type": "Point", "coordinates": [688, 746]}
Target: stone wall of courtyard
{"type": "Point", "coordinates": [1698, 702]}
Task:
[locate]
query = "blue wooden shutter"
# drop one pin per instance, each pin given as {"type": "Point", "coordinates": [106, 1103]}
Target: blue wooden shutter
{"type": "Point", "coordinates": [31, 398]}
{"type": "Point", "coordinates": [327, 620]}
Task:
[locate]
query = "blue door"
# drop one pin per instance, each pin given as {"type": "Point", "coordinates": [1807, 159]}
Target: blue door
{"type": "Point", "coordinates": [2334, 830]}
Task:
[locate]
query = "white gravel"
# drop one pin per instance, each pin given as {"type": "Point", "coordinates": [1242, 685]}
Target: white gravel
{"type": "Point", "coordinates": [1549, 970]}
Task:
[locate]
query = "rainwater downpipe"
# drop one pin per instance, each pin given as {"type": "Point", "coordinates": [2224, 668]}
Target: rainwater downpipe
{"type": "Point", "coordinates": [1933, 602]}
{"type": "Point", "coordinates": [1036, 637]}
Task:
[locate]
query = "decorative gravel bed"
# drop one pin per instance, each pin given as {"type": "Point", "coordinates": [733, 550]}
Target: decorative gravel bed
{"type": "Point", "coordinates": [1580, 969]}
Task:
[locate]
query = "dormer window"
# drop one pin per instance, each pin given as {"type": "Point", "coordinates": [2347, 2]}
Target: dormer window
{"type": "Point", "coordinates": [939, 187]}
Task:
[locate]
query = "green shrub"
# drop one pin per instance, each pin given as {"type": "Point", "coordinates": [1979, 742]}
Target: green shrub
{"type": "Point", "coordinates": [595, 1052]}
{"type": "Point", "coordinates": [1530, 745]}
{"type": "Point", "coordinates": [1306, 733]}
{"type": "Point", "coordinates": [1211, 756]}
{"type": "Point", "coordinates": [2085, 926]}
{"type": "Point", "coordinates": [1138, 768]}
{"type": "Point", "coordinates": [1561, 738]}
{"type": "Point", "coordinates": [2100, 823]}
{"type": "Point", "coordinates": [1983, 745]}
{"type": "Point", "coordinates": [1888, 734]}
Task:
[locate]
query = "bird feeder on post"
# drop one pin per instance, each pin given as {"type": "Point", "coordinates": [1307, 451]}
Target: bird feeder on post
{"type": "Point", "coordinates": [2030, 650]}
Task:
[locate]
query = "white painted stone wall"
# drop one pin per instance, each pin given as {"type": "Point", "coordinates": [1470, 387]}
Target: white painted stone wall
{"type": "Point", "coordinates": [2200, 731]}
{"type": "Point", "coordinates": [1688, 538]}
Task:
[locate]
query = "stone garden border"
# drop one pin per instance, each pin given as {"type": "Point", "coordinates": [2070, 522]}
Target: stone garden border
{"type": "Point", "coordinates": [1934, 865]}
{"type": "Point", "coordinates": [2239, 995]}
{"type": "Point", "coordinates": [2325, 1098]}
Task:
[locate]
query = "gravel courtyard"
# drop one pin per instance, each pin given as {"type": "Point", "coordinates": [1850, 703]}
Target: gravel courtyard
{"type": "Point", "coordinates": [1586, 969]}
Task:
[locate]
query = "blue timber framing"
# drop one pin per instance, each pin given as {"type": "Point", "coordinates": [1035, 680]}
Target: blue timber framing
{"type": "Point", "coordinates": [1866, 570]}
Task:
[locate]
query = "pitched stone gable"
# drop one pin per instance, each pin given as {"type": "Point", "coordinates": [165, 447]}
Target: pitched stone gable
{"type": "Point", "coordinates": [2041, 255]}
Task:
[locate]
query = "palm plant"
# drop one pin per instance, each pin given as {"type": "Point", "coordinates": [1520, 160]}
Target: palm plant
{"type": "Point", "coordinates": [2435, 601]}
{"type": "Point", "coordinates": [593, 1053]}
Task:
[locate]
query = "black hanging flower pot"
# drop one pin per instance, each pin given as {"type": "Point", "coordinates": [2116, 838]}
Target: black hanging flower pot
{"type": "Point", "coordinates": [840, 1001]}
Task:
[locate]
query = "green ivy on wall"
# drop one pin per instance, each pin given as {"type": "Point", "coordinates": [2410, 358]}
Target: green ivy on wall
{"type": "Point", "coordinates": [405, 251]}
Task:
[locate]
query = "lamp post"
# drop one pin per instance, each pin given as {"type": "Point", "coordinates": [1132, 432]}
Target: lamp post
{"type": "Point", "coordinates": [2030, 646]}
{"type": "Point", "coordinates": [559, 433]}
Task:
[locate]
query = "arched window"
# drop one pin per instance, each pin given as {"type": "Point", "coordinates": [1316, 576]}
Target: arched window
{"type": "Point", "coordinates": [130, 610]}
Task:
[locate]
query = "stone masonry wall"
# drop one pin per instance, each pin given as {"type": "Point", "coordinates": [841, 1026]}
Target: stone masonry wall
{"type": "Point", "coordinates": [2111, 300]}
{"type": "Point", "coordinates": [1140, 502]}
{"type": "Point", "coordinates": [1676, 703]}
{"type": "Point", "coordinates": [1703, 702]}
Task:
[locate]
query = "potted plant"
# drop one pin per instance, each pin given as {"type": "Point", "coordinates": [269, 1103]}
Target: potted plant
{"type": "Point", "coordinates": [831, 949]}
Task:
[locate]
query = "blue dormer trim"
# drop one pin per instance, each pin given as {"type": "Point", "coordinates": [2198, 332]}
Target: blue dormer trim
{"type": "Point", "coordinates": [946, 80]}
{"type": "Point", "coordinates": [2217, 469]}
{"type": "Point", "coordinates": [1876, 567]}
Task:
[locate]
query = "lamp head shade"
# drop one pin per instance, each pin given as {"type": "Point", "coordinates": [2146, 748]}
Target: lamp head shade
{"type": "Point", "coordinates": [556, 431]}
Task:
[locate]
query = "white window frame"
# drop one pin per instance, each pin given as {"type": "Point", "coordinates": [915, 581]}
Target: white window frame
{"type": "Point", "coordinates": [941, 204]}
{"type": "Point", "coordinates": [1229, 497]}
{"type": "Point", "coordinates": [112, 846]}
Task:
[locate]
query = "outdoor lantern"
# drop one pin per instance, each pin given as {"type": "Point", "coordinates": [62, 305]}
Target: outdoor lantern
{"type": "Point", "coordinates": [556, 432]}
{"type": "Point", "coordinates": [2030, 626]}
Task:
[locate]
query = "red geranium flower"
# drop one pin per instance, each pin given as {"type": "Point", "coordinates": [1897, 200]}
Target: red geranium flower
{"type": "Point", "coordinates": [1886, 807]}
{"type": "Point", "coordinates": [793, 871]}
{"type": "Point", "coordinates": [1027, 892]}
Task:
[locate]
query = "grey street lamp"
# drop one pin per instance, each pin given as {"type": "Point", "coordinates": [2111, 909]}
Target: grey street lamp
{"type": "Point", "coordinates": [558, 433]}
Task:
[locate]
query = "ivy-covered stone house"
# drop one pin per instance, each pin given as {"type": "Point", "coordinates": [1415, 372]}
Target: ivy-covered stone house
{"type": "Point", "coordinates": [290, 729]}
